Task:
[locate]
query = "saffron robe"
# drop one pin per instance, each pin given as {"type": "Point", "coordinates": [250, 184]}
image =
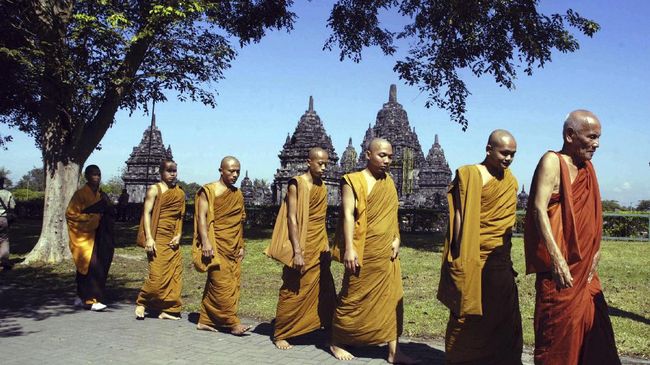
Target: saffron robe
{"type": "Point", "coordinates": [369, 310]}
{"type": "Point", "coordinates": [161, 290]}
{"type": "Point", "coordinates": [306, 300]}
{"type": "Point", "coordinates": [477, 281]}
{"type": "Point", "coordinates": [90, 228]}
{"type": "Point", "coordinates": [226, 216]}
{"type": "Point", "coordinates": [572, 325]}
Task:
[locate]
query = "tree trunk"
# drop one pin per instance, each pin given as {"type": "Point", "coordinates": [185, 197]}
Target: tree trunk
{"type": "Point", "coordinates": [52, 245]}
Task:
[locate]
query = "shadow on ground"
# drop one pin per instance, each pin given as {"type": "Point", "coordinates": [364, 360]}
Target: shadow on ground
{"type": "Point", "coordinates": [613, 311]}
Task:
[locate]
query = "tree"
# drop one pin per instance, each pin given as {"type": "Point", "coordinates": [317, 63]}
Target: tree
{"type": "Point", "coordinates": [113, 186]}
{"type": "Point", "coordinates": [611, 206]}
{"type": "Point", "coordinates": [33, 180]}
{"type": "Point", "coordinates": [190, 189]}
{"type": "Point", "coordinates": [68, 66]}
{"type": "Point", "coordinates": [644, 205]}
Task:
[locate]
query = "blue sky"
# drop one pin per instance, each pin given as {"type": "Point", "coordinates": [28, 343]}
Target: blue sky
{"type": "Point", "coordinates": [268, 86]}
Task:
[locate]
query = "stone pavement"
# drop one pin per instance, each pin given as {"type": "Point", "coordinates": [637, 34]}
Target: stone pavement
{"type": "Point", "coordinates": [60, 334]}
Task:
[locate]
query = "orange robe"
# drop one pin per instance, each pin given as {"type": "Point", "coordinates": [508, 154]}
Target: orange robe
{"type": "Point", "coordinates": [477, 281]}
{"type": "Point", "coordinates": [572, 325]}
{"type": "Point", "coordinates": [162, 289]}
{"type": "Point", "coordinates": [90, 228]}
{"type": "Point", "coordinates": [226, 229]}
{"type": "Point", "coordinates": [306, 300]}
{"type": "Point", "coordinates": [369, 310]}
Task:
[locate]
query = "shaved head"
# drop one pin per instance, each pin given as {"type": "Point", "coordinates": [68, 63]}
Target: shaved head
{"type": "Point", "coordinates": [227, 160]}
{"type": "Point", "coordinates": [316, 152]}
{"type": "Point", "coordinates": [499, 137]}
{"type": "Point", "coordinates": [377, 143]}
{"type": "Point", "coordinates": [578, 119]}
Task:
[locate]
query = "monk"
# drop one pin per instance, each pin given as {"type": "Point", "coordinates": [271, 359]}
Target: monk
{"type": "Point", "coordinates": [562, 245]}
{"type": "Point", "coordinates": [90, 221]}
{"type": "Point", "coordinates": [307, 295]}
{"type": "Point", "coordinates": [477, 281]}
{"type": "Point", "coordinates": [162, 224]}
{"type": "Point", "coordinates": [218, 249]}
{"type": "Point", "coordinates": [369, 310]}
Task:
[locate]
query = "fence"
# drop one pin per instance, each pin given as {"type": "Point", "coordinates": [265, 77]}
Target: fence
{"type": "Point", "coordinates": [616, 226]}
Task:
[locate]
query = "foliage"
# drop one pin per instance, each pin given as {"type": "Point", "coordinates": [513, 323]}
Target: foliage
{"type": "Point", "coordinates": [611, 206]}
{"type": "Point", "coordinates": [644, 205]}
{"type": "Point", "coordinates": [113, 186]}
{"type": "Point", "coordinates": [34, 179]}
{"type": "Point", "coordinates": [23, 194]}
{"type": "Point", "coordinates": [190, 189]}
{"type": "Point", "coordinates": [445, 37]}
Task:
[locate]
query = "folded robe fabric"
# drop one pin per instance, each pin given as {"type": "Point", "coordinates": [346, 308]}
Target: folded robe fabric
{"type": "Point", "coordinates": [162, 288]}
{"type": "Point", "coordinates": [369, 310]}
{"type": "Point", "coordinates": [493, 336]}
{"type": "Point", "coordinates": [572, 325]}
{"type": "Point", "coordinates": [306, 300]}
{"type": "Point", "coordinates": [82, 226]}
{"type": "Point", "coordinates": [221, 294]}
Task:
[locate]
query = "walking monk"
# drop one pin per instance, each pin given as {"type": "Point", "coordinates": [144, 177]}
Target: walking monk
{"type": "Point", "coordinates": [218, 249]}
{"type": "Point", "coordinates": [562, 244]}
{"type": "Point", "coordinates": [90, 221]}
{"type": "Point", "coordinates": [477, 281]}
{"type": "Point", "coordinates": [307, 295]}
{"type": "Point", "coordinates": [369, 310]}
{"type": "Point", "coordinates": [161, 227]}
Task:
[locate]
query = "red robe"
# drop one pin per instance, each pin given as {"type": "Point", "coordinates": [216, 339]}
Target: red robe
{"type": "Point", "coordinates": [572, 325]}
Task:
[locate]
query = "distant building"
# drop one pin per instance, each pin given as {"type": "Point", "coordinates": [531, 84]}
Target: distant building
{"type": "Point", "coordinates": [142, 167]}
{"type": "Point", "coordinates": [522, 198]}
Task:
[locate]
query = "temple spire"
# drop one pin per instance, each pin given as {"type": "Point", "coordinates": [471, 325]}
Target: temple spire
{"type": "Point", "coordinates": [246, 173]}
{"type": "Point", "coordinates": [392, 95]}
{"type": "Point", "coordinates": [523, 188]}
{"type": "Point", "coordinates": [153, 114]}
{"type": "Point", "coordinates": [311, 104]}
{"type": "Point", "coordinates": [350, 141]}
{"type": "Point", "coordinates": [435, 139]}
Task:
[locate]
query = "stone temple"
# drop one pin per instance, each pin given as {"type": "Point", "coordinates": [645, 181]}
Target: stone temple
{"type": "Point", "coordinates": [142, 167]}
{"type": "Point", "coordinates": [421, 180]}
{"type": "Point", "coordinates": [293, 158]}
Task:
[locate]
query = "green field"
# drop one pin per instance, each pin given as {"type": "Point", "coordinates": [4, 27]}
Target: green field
{"type": "Point", "coordinates": [624, 272]}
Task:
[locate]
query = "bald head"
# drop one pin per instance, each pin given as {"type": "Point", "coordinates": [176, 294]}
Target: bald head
{"type": "Point", "coordinates": [578, 119]}
{"type": "Point", "coordinates": [229, 170]}
{"type": "Point", "coordinates": [499, 151]}
{"type": "Point", "coordinates": [228, 160]}
{"type": "Point", "coordinates": [317, 162]}
{"type": "Point", "coordinates": [581, 134]}
{"type": "Point", "coordinates": [316, 153]}
{"type": "Point", "coordinates": [378, 143]}
{"type": "Point", "coordinates": [379, 156]}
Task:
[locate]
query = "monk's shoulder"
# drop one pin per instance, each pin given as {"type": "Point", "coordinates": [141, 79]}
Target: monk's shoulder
{"type": "Point", "coordinates": [549, 163]}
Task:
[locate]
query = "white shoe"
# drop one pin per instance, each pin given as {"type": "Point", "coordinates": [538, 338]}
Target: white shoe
{"type": "Point", "coordinates": [97, 307]}
{"type": "Point", "coordinates": [78, 302]}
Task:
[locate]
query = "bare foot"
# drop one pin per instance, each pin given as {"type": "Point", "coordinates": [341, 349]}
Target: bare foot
{"type": "Point", "coordinates": [164, 315]}
{"type": "Point", "coordinates": [239, 329]}
{"type": "Point", "coordinates": [340, 353]}
{"type": "Point", "coordinates": [401, 358]}
{"type": "Point", "coordinates": [139, 312]}
{"type": "Point", "coordinates": [205, 327]}
{"type": "Point", "coordinates": [282, 344]}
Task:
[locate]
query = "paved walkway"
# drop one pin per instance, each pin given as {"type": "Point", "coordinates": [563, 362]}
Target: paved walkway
{"type": "Point", "coordinates": [58, 334]}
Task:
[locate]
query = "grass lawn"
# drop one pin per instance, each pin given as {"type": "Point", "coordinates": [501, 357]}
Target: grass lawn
{"type": "Point", "coordinates": [624, 272]}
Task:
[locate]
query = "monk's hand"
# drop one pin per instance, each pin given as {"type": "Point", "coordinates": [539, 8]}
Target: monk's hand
{"type": "Point", "coordinates": [561, 273]}
{"type": "Point", "coordinates": [207, 251]}
{"type": "Point", "coordinates": [351, 260]}
{"type": "Point", "coordinates": [173, 244]}
{"type": "Point", "coordinates": [395, 249]}
{"type": "Point", "coordinates": [594, 266]}
{"type": "Point", "coordinates": [150, 247]}
{"type": "Point", "coordinates": [241, 254]}
{"type": "Point", "coordinates": [298, 262]}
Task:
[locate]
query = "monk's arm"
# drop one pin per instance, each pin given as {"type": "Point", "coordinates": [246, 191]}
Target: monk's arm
{"type": "Point", "coordinates": [149, 199]}
{"type": "Point", "coordinates": [594, 266]}
{"type": "Point", "coordinates": [547, 179]}
{"type": "Point", "coordinates": [458, 218]}
{"type": "Point", "coordinates": [396, 241]}
{"type": "Point", "coordinates": [178, 230]}
{"type": "Point", "coordinates": [73, 212]}
{"type": "Point", "coordinates": [202, 225]}
{"type": "Point", "coordinates": [292, 223]}
{"type": "Point", "coordinates": [350, 259]}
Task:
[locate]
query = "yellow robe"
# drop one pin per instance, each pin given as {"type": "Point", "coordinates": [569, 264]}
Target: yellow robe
{"type": "Point", "coordinates": [477, 280]}
{"type": "Point", "coordinates": [82, 226]}
{"type": "Point", "coordinates": [370, 307]}
{"type": "Point", "coordinates": [162, 289]}
{"type": "Point", "coordinates": [306, 300]}
{"type": "Point", "coordinates": [226, 227]}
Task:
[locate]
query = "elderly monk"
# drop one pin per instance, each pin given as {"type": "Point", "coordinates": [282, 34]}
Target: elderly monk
{"type": "Point", "coordinates": [562, 245]}
{"type": "Point", "coordinates": [90, 221]}
{"type": "Point", "coordinates": [299, 240]}
{"type": "Point", "coordinates": [218, 249]}
{"type": "Point", "coordinates": [369, 310]}
{"type": "Point", "coordinates": [477, 281]}
{"type": "Point", "coordinates": [161, 226]}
